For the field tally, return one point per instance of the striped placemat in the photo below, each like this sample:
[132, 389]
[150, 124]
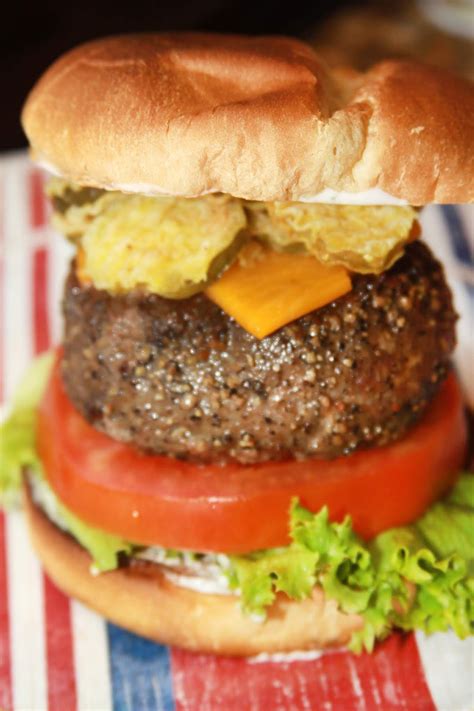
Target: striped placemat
[55, 654]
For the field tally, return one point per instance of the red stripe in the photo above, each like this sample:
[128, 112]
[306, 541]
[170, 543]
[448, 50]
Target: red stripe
[61, 679]
[37, 202]
[205, 682]
[59, 649]
[41, 328]
[395, 675]
[391, 678]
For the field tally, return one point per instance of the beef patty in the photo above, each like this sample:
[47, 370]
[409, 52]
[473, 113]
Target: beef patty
[181, 378]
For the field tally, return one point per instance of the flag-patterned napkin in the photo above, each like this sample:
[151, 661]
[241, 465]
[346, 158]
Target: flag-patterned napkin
[57, 655]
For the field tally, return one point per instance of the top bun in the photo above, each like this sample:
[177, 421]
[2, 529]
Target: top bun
[259, 118]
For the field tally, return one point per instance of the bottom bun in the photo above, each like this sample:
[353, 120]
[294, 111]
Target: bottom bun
[141, 599]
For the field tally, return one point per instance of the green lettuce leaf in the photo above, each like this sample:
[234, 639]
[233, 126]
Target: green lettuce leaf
[17, 433]
[103, 547]
[18, 454]
[413, 577]
[261, 575]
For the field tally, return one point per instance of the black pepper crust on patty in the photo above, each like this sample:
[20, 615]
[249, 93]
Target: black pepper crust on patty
[181, 378]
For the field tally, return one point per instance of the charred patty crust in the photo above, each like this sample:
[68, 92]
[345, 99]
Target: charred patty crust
[182, 378]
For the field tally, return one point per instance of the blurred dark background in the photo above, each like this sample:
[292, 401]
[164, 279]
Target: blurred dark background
[358, 32]
[38, 32]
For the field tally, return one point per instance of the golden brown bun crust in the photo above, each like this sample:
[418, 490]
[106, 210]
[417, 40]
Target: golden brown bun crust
[144, 602]
[260, 118]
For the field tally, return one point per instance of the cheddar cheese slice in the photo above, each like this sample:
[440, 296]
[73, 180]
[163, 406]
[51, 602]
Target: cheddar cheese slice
[265, 294]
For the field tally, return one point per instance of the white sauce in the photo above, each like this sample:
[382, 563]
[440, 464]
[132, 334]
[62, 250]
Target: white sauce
[209, 586]
[205, 574]
[373, 196]
[44, 497]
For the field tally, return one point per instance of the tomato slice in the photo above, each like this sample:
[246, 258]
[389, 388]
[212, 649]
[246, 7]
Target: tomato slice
[158, 500]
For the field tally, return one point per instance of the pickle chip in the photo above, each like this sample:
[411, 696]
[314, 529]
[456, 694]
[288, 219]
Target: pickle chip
[366, 239]
[176, 247]
[75, 206]
[167, 246]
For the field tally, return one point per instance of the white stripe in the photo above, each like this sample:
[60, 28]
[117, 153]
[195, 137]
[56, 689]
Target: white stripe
[25, 587]
[449, 670]
[91, 659]
[25, 580]
[60, 253]
[18, 286]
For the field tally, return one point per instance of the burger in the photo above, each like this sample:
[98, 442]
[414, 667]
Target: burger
[251, 438]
